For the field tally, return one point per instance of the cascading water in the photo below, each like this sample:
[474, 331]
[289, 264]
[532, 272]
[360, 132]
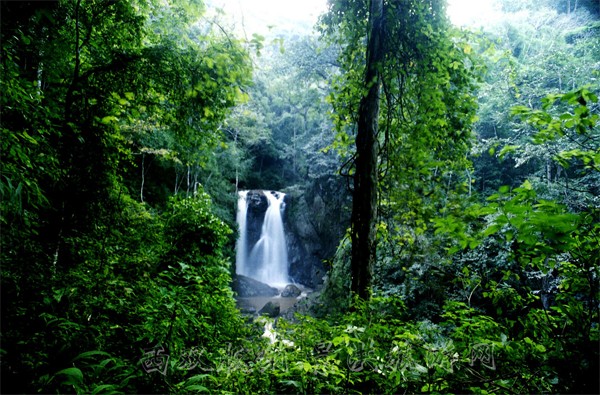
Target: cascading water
[241, 246]
[267, 259]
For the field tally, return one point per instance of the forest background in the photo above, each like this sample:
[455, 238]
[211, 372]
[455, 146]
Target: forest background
[127, 127]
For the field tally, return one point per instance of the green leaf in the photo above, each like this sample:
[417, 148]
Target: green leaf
[108, 119]
[540, 347]
[504, 189]
[88, 354]
[305, 366]
[103, 388]
[73, 376]
[508, 149]
[197, 387]
[293, 383]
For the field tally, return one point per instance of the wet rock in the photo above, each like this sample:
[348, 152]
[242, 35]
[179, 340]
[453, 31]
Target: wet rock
[247, 287]
[257, 207]
[291, 291]
[271, 309]
[311, 305]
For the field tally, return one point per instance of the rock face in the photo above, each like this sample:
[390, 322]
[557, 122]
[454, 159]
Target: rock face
[291, 291]
[257, 207]
[315, 223]
[271, 309]
[247, 287]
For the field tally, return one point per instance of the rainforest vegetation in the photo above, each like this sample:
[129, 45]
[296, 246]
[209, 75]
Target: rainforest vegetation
[459, 167]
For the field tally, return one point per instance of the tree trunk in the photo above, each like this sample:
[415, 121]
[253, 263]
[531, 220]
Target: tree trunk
[364, 199]
[187, 191]
[237, 163]
[143, 178]
[548, 173]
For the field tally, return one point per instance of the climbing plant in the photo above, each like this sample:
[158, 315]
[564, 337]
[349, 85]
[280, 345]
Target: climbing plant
[423, 134]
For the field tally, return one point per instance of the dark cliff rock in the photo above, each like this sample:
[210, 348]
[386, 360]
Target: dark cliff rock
[315, 222]
[257, 207]
[247, 287]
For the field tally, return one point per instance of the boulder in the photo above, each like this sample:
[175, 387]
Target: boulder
[247, 287]
[291, 291]
[271, 309]
[311, 305]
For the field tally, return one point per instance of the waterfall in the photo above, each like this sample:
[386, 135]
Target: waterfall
[270, 252]
[241, 254]
[267, 259]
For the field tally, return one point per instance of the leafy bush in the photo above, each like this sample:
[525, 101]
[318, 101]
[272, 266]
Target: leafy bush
[376, 349]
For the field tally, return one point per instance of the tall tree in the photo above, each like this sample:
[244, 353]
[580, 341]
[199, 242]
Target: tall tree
[364, 199]
[405, 91]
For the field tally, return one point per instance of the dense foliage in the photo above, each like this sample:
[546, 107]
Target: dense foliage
[93, 93]
[128, 126]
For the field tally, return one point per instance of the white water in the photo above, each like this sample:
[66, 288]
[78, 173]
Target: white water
[241, 254]
[267, 260]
